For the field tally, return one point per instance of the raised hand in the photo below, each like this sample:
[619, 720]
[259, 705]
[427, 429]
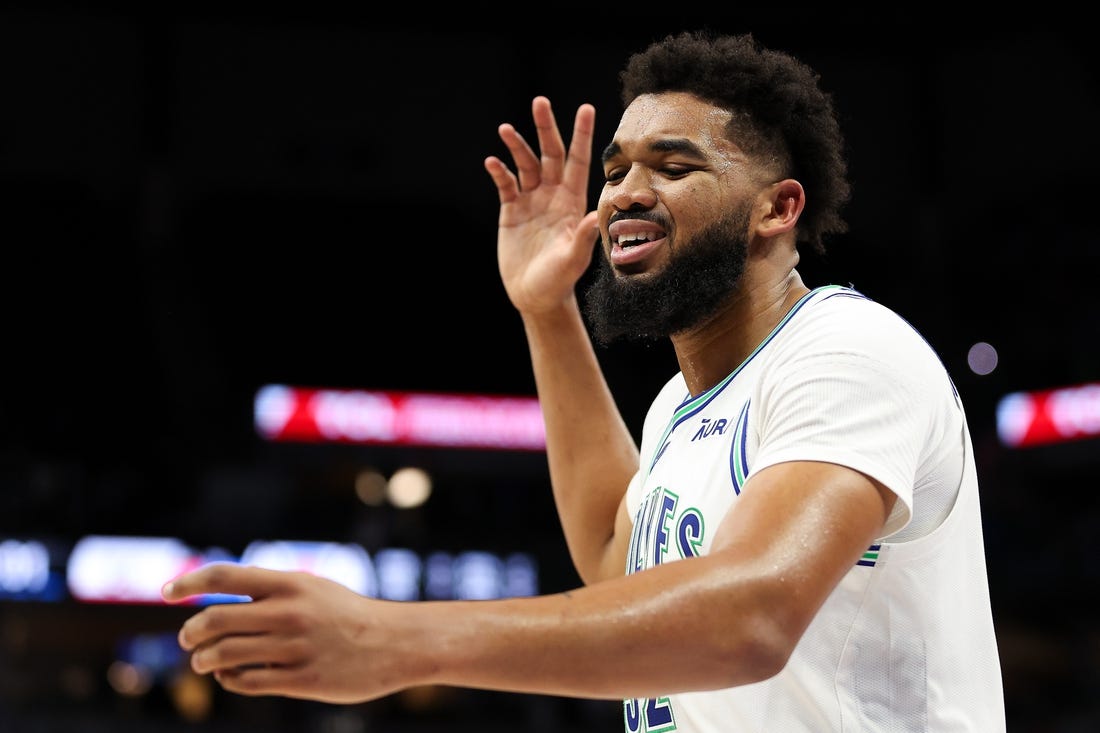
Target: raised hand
[545, 240]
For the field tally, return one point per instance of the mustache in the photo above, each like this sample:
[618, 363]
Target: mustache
[649, 216]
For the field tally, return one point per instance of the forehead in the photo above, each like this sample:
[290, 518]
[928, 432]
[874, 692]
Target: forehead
[680, 115]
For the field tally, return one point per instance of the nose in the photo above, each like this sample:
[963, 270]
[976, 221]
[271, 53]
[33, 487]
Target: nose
[633, 192]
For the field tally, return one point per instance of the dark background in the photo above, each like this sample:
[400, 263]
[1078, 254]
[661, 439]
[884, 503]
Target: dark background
[200, 202]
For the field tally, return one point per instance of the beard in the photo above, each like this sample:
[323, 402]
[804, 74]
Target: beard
[693, 286]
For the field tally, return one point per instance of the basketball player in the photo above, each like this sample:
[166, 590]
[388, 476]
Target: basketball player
[796, 546]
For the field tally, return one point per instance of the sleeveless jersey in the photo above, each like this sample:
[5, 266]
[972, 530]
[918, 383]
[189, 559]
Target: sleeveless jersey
[905, 643]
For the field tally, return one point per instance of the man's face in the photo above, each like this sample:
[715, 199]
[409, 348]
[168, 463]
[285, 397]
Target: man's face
[692, 285]
[674, 217]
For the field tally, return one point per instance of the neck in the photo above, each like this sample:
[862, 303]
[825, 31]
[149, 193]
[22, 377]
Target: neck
[708, 353]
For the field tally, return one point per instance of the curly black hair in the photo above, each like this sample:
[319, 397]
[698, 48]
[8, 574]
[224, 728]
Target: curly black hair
[779, 111]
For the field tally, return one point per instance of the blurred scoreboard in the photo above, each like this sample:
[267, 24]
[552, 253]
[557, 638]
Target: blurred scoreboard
[1049, 416]
[132, 570]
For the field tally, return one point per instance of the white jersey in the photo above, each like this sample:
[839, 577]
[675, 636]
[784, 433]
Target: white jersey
[906, 642]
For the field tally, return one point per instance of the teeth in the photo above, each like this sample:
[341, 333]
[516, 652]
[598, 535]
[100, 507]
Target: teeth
[627, 240]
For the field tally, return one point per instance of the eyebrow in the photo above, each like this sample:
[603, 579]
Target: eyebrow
[669, 145]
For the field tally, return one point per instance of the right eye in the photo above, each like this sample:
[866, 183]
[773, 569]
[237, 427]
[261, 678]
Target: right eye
[676, 171]
[615, 174]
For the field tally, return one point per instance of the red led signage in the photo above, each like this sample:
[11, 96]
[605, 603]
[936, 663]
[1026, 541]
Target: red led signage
[284, 413]
[1049, 416]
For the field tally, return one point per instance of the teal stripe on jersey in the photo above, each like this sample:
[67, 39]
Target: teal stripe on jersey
[739, 464]
[870, 557]
[693, 405]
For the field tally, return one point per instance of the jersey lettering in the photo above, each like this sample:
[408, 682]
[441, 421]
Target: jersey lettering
[689, 532]
[709, 428]
[657, 531]
[648, 716]
[660, 540]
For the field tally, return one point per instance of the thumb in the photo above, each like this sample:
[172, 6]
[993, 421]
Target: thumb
[587, 233]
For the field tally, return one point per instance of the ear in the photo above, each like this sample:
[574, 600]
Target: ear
[782, 204]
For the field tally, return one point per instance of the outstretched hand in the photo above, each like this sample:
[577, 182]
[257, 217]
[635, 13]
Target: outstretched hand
[301, 636]
[304, 636]
[545, 238]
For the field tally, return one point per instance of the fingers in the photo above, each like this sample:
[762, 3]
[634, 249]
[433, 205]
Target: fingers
[224, 578]
[256, 681]
[506, 183]
[217, 622]
[553, 166]
[295, 682]
[244, 652]
[588, 233]
[575, 174]
[556, 166]
[550, 141]
[527, 164]
[249, 681]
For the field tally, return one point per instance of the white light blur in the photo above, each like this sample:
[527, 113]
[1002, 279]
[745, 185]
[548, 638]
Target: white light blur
[273, 406]
[982, 358]
[347, 564]
[409, 487]
[124, 569]
[399, 573]
[478, 576]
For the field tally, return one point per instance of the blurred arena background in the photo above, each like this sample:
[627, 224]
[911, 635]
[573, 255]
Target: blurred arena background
[211, 217]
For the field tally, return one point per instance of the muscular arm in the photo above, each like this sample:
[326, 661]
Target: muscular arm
[591, 453]
[731, 617]
[544, 245]
[727, 618]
